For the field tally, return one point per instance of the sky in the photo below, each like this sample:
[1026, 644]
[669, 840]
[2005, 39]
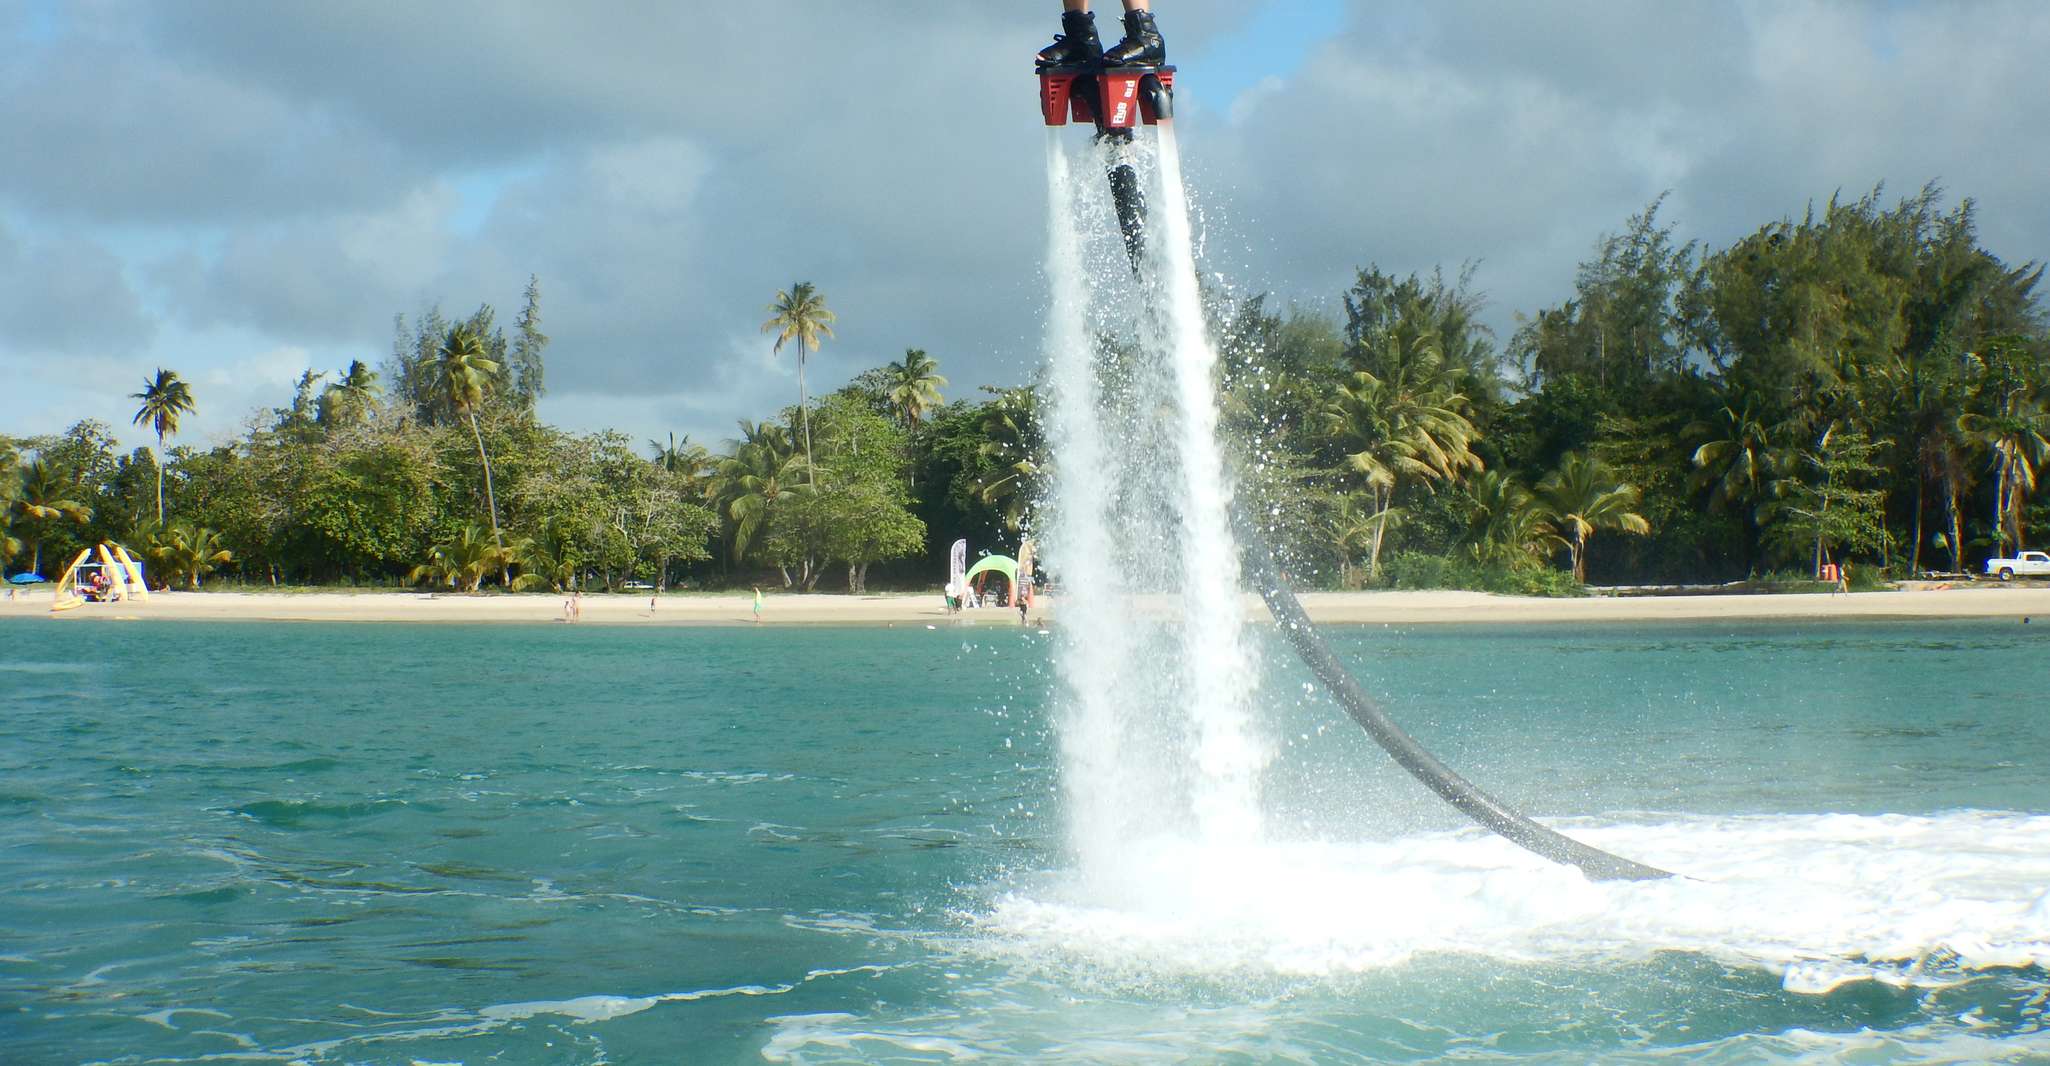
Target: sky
[241, 192]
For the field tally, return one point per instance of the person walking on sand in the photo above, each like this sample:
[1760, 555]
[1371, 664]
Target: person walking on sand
[576, 606]
[758, 604]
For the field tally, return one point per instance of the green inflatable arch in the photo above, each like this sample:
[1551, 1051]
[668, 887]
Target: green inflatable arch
[1001, 564]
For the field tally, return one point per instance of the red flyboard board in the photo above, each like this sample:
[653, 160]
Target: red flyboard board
[1053, 97]
[1120, 96]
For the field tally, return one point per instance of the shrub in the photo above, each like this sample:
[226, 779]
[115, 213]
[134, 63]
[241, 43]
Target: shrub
[1420, 570]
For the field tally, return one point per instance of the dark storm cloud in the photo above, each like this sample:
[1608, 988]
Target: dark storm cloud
[105, 128]
[66, 297]
[1516, 134]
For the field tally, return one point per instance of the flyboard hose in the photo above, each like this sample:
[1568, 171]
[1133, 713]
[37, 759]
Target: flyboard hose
[1302, 635]
[1062, 89]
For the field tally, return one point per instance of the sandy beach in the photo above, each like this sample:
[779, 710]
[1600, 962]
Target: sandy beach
[905, 609]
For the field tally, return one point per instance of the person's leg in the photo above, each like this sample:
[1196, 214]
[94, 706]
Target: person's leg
[1077, 42]
[1142, 43]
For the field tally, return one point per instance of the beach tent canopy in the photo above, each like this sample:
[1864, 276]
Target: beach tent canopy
[1002, 564]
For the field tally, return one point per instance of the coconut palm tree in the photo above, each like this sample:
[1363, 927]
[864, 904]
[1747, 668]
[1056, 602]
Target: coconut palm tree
[1395, 433]
[1506, 525]
[1583, 497]
[683, 456]
[350, 400]
[1013, 448]
[10, 498]
[2018, 440]
[551, 555]
[190, 551]
[462, 560]
[1737, 457]
[799, 314]
[746, 486]
[914, 385]
[48, 492]
[1354, 525]
[464, 375]
[164, 398]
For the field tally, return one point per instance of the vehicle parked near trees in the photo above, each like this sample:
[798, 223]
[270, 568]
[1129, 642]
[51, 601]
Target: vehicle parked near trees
[2023, 564]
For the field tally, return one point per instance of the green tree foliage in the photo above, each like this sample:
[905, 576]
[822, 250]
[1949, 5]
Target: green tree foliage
[1826, 503]
[463, 560]
[862, 505]
[46, 496]
[1400, 420]
[1858, 378]
[1628, 321]
[751, 484]
[351, 400]
[529, 376]
[1012, 461]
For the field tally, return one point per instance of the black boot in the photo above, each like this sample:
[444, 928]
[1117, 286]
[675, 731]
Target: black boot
[1076, 44]
[1142, 44]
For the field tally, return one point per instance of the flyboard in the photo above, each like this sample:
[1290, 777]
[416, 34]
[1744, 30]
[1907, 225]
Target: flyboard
[1118, 100]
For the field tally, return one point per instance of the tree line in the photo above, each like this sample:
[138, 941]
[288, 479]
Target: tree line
[1864, 381]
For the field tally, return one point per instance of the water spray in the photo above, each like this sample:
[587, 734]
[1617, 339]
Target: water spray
[1118, 100]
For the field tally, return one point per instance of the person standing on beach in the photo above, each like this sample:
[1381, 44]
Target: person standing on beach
[576, 606]
[758, 604]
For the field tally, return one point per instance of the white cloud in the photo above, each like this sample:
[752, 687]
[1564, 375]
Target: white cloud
[285, 180]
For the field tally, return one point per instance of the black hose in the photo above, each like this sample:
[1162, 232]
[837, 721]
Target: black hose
[1456, 790]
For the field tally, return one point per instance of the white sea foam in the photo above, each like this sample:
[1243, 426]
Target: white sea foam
[1820, 899]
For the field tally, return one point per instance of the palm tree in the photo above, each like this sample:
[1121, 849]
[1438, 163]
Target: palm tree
[47, 492]
[800, 314]
[10, 499]
[682, 456]
[190, 551]
[164, 399]
[746, 486]
[551, 556]
[1012, 446]
[1409, 427]
[2018, 439]
[1737, 456]
[1506, 525]
[462, 560]
[349, 401]
[914, 385]
[1584, 497]
[1354, 526]
[464, 375]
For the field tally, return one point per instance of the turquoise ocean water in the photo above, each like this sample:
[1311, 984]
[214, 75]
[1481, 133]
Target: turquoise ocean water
[398, 844]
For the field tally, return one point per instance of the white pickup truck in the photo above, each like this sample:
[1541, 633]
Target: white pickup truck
[2024, 564]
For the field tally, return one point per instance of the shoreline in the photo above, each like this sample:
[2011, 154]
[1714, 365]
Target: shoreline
[925, 609]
